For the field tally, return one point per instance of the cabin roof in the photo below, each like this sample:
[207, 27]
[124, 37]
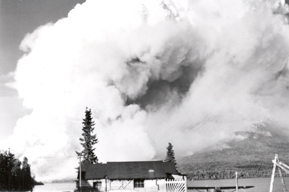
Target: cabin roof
[94, 171]
[130, 170]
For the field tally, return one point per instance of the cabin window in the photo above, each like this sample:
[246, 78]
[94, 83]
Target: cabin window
[97, 185]
[138, 183]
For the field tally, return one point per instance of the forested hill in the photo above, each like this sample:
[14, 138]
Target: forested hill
[251, 157]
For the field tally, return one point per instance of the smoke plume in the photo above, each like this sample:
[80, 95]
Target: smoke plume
[190, 72]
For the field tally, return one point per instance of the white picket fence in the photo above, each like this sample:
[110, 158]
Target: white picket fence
[173, 185]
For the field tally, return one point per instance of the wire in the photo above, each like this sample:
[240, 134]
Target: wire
[56, 157]
[52, 158]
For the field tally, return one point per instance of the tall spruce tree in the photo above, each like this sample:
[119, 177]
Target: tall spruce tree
[88, 139]
[170, 154]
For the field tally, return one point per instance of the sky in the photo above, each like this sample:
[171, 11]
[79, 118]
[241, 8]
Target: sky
[17, 18]
[190, 72]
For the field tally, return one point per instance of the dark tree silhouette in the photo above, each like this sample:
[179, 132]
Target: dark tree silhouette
[12, 176]
[88, 139]
[170, 154]
[26, 174]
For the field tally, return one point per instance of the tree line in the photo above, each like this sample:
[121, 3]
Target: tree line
[14, 174]
[230, 174]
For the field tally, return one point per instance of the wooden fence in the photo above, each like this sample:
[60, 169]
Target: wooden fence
[173, 185]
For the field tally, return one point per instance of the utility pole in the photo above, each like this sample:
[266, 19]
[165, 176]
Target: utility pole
[9, 160]
[80, 172]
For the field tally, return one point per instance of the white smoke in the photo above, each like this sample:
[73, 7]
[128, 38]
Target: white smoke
[187, 72]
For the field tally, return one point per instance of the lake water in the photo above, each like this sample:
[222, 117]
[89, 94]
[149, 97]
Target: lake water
[55, 187]
[260, 185]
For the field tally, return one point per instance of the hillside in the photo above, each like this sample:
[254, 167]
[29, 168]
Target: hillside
[251, 156]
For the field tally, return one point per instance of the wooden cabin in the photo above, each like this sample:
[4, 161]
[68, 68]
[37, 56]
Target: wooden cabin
[145, 176]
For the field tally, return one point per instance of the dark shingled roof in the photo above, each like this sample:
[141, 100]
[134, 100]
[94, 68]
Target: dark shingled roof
[130, 170]
[93, 171]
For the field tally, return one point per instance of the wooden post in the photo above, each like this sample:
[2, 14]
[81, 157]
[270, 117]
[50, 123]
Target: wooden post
[105, 183]
[186, 184]
[282, 180]
[273, 173]
[284, 165]
[109, 185]
[237, 185]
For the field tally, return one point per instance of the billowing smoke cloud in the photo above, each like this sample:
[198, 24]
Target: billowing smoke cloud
[187, 72]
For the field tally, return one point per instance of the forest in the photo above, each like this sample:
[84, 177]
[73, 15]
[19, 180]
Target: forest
[14, 174]
[227, 170]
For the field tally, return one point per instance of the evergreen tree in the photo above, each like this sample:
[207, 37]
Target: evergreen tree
[88, 139]
[12, 177]
[10, 165]
[170, 154]
[26, 174]
[16, 174]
